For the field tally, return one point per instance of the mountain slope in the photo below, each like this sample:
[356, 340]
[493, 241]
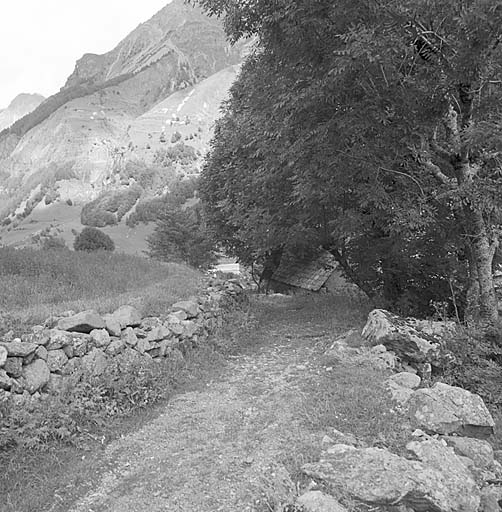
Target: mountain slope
[166, 79]
[21, 105]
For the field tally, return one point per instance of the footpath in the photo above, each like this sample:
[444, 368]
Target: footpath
[236, 444]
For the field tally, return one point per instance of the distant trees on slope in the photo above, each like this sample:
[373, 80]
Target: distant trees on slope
[373, 131]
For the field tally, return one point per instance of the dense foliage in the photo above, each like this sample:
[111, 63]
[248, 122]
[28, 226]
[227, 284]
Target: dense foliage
[110, 207]
[93, 239]
[182, 236]
[371, 129]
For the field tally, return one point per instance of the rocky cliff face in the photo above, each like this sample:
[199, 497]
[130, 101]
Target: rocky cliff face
[169, 75]
[21, 105]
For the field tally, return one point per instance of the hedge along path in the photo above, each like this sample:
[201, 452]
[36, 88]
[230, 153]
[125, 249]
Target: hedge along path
[223, 448]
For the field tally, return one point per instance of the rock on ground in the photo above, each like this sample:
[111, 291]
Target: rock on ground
[317, 501]
[479, 451]
[19, 349]
[127, 316]
[85, 322]
[36, 375]
[377, 477]
[189, 307]
[445, 409]
[3, 356]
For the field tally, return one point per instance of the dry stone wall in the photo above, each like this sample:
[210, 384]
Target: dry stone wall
[76, 344]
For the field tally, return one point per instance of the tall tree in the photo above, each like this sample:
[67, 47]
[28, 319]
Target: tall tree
[360, 121]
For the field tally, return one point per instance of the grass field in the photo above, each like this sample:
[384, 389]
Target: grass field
[37, 283]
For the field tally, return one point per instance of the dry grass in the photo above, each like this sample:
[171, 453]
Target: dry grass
[37, 284]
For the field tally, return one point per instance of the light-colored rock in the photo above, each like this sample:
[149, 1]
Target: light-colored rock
[112, 325]
[127, 316]
[150, 323]
[436, 454]
[317, 501]
[189, 307]
[3, 356]
[143, 346]
[479, 451]
[115, 347]
[55, 384]
[406, 380]
[342, 438]
[189, 328]
[401, 336]
[56, 359]
[100, 338]
[158, 333]
[177, 315]
[176, 328]
[85, 322]
[81, 344]
[36, 375]
[19, 349]
[58, 339]
[41, 353]
[95, 362]
[378, 477]
[129, 337]
[14, 367]
[383, 358]
[445, 409]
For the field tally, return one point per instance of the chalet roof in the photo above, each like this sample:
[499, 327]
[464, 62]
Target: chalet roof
[309, 273]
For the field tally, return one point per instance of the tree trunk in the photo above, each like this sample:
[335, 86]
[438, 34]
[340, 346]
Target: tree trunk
[483, 251]
[472, 297]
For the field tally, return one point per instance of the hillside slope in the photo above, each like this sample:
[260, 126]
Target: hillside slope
[169, 75]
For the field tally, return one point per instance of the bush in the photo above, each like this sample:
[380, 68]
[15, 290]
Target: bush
[109, 207]
[176, 137]
[476, 364]
[53, 243]
[181, 236]
[92, 239]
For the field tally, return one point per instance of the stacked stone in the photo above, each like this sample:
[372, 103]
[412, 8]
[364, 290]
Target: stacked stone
[65, 348]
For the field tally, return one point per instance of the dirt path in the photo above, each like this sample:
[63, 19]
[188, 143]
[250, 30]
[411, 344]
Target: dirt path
[223, 448]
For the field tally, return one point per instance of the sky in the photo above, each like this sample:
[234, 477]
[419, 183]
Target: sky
[40, 40]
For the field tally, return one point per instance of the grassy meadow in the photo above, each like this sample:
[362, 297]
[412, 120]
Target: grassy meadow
[40, 283]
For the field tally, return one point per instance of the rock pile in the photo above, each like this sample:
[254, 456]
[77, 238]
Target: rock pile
[448, 466]
[84, 343]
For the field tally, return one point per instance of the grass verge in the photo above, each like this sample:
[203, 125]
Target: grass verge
[37, 284]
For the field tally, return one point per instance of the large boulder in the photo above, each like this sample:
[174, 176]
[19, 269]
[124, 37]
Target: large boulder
[19, 349]
[445, 409]
[58, 339]
[377, 477]
[36, 375]
[402, 336]
[85, 322]
[127, 316]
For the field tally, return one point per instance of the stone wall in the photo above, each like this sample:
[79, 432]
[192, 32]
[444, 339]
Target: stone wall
[73, 345]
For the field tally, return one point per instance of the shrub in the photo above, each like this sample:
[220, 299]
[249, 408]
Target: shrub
[181, 153]
[176, 137]
[181, 235]
[92, 239]
[109, 207]
[476, 364]
[53, 243]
